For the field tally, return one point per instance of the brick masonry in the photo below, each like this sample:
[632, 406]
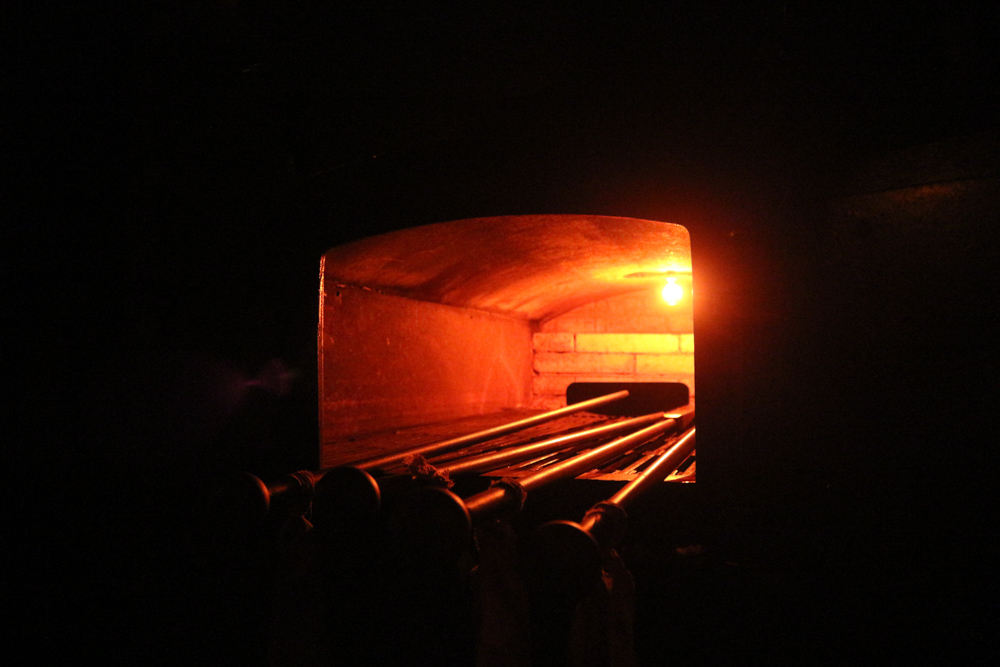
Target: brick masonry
[634, 337]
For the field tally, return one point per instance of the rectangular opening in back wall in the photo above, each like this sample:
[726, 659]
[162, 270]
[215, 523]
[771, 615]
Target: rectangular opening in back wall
[644, 397]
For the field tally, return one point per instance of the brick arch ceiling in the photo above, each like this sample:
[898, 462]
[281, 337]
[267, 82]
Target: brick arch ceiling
[534, 267]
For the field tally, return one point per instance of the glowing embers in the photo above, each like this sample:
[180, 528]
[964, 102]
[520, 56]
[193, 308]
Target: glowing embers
[672, 293]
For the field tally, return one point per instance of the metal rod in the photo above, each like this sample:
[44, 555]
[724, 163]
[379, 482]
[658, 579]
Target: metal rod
[567, 557]
[588, 460]
[505, 497]
[605, 522]
[486, 434]
[498, 459]
[656, 473]
[302, 484]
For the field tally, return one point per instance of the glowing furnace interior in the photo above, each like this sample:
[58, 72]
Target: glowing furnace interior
[490, 316]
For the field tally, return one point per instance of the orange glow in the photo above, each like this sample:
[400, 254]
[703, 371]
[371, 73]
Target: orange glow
[672, 292]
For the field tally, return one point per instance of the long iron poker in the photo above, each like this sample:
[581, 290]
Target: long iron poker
[432, 516]
[348, 479]
[355, 478]
[496, 459]
[509, 495]
[570, 554]
[479, 436]
[354, 492]
[598, 522]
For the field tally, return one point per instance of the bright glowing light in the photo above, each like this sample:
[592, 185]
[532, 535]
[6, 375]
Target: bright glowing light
[672, 292]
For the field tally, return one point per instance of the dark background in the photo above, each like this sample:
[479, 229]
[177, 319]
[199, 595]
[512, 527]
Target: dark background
[172, 174]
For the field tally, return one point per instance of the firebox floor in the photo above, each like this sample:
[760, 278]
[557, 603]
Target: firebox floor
[357, 448]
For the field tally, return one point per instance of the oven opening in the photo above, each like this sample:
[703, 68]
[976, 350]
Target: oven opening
[433, 332]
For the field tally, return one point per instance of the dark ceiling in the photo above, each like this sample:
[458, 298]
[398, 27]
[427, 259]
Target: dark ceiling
[347, 118]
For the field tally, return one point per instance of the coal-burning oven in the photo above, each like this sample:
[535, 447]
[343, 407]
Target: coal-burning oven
[431, 332]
